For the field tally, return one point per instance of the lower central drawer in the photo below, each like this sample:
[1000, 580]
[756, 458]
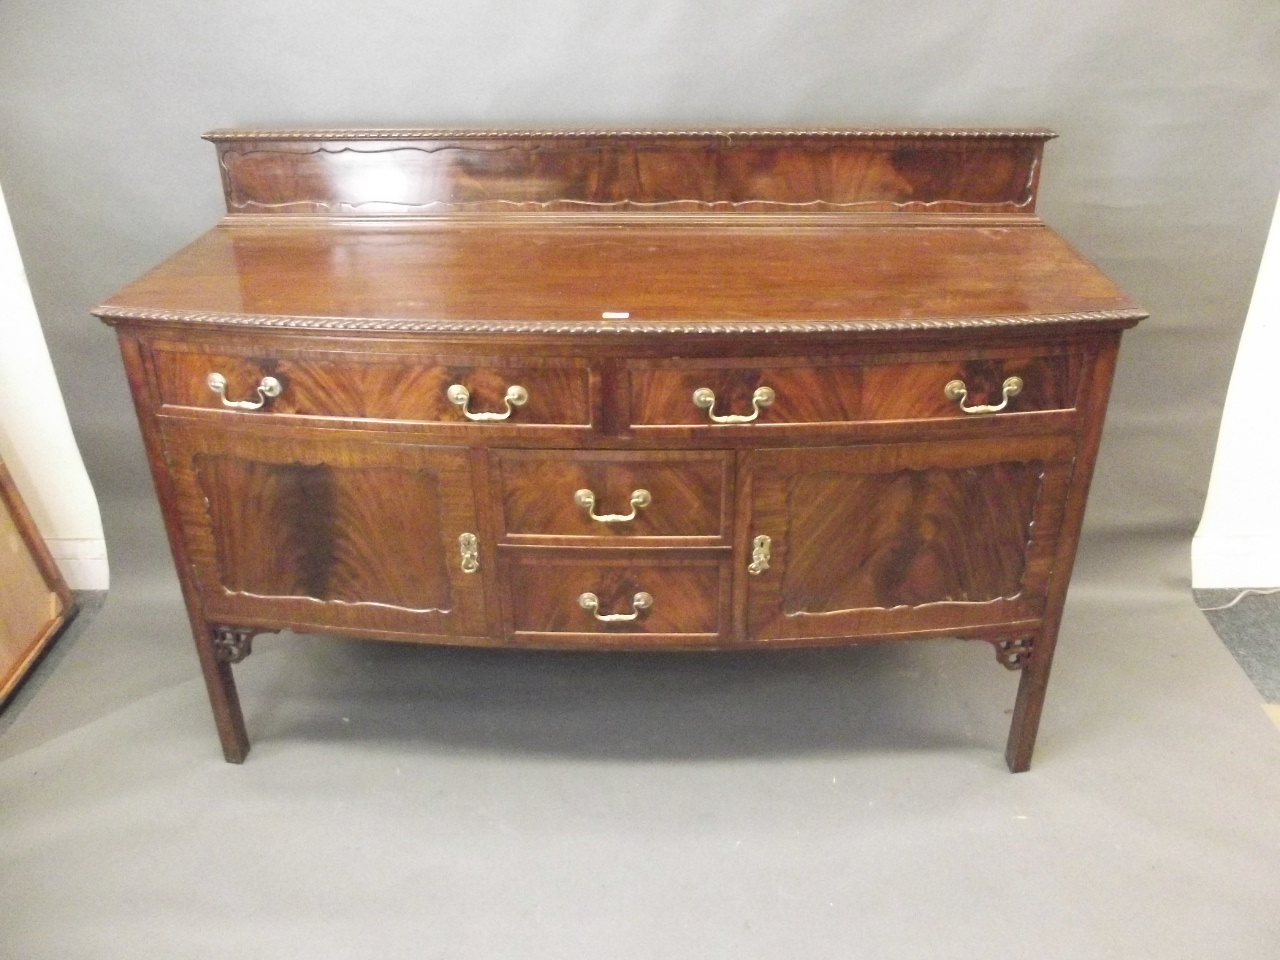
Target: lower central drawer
[554, 595]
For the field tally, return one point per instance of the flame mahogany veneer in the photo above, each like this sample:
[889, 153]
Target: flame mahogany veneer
[715, 375]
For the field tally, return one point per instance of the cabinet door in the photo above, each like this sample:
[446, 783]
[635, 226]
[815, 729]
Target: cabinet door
[334, 534]
[882, 539]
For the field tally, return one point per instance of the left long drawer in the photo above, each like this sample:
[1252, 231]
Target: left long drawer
[273, 382]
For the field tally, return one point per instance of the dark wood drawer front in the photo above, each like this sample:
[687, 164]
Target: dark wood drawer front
[663, 396]
[379, 388]
[774, 393]
[561, 493]
[551, 593]
[915, 391]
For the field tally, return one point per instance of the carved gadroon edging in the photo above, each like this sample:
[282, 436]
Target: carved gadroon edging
[1013, 654]
[233, 644]
[427, 133]
[110, 312]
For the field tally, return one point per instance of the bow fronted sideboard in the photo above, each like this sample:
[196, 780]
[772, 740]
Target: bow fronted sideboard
[648, 390]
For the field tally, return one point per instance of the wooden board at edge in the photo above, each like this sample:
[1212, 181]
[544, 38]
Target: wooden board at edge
[34, 600]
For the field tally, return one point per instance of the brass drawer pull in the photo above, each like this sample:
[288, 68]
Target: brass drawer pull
[704, 398]
[587, 501]
[956, 390]
[459, 396]
[267, 387]
[469, 547]
[639, 603]
[760, 548]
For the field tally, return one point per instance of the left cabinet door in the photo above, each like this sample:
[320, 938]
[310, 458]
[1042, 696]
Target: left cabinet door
[328, 532]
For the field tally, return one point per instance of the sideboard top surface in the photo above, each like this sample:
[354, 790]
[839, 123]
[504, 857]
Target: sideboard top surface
[643, 232]
[454, 276]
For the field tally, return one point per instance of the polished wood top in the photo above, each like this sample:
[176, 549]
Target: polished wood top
[640, 232]
[567, 274]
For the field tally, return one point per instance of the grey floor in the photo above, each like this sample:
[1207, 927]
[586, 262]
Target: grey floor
[1250, 627]
[421, 802]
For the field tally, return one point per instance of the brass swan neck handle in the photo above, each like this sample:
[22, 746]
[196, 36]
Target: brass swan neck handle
[586, 499]
[639, 603]
[956, 390]
[704, 398]
[460, 396]
[267, 387]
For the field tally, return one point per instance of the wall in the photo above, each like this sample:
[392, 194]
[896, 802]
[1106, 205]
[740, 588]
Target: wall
[1238, 543]
[35, 435]
[1165, 172]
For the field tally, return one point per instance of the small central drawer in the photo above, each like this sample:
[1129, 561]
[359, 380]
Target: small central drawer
[754, 395]
[490, 392]
[614, 495]
[616, 593]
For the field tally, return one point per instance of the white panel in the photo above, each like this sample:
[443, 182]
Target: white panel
[83, 563]
[1238, 543]
[36, 442]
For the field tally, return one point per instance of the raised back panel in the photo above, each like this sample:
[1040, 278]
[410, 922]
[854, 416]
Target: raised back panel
[438, 172]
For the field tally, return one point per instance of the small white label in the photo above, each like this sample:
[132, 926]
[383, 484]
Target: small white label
[614, 315]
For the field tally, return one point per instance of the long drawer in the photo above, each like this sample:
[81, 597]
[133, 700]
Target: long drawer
[781, 392]
[495, 392]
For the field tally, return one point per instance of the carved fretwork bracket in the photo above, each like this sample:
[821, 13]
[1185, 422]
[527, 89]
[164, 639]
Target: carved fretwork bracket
[233, 644]
[1013, 654]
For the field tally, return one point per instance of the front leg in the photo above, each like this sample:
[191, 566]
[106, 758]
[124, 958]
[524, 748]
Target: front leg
[219, 647]
[1030, 655]
[1033, 656]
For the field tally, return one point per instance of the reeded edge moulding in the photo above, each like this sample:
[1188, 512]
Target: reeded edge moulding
[112, 312]
[427, 133]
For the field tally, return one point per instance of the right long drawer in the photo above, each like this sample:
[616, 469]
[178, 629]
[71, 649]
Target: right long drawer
[794, 391]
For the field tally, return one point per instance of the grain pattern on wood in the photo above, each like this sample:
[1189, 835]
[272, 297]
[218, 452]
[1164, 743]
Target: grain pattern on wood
[663, 396]
[1034, 681]
[545, 587]
[916, 391]
[907, 538]
[331, 533]
[320, 531]
[685, 275]
[728, 172]
[384, 388]
[224, 700]
[845, 390]
[897, 536]
[689, 494]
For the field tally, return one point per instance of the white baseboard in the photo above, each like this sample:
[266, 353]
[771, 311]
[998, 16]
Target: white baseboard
[83, 563]
[1220, 562]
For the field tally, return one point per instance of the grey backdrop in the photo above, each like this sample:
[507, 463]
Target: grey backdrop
[1165, 174]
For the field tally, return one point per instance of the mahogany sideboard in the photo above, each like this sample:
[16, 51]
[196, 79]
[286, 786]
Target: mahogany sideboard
[625, 390]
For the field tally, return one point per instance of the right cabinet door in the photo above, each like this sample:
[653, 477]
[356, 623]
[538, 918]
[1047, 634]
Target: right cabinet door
[896, 538]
